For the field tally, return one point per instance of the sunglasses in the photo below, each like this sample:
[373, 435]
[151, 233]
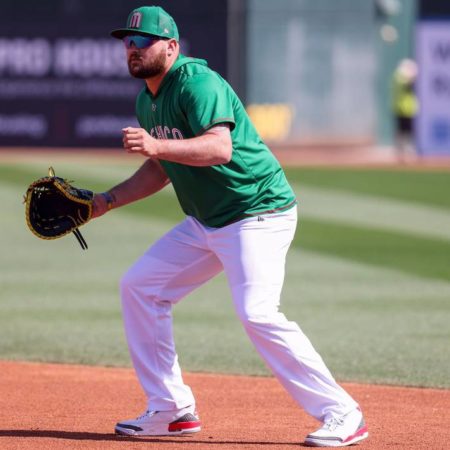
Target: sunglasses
[140, 41]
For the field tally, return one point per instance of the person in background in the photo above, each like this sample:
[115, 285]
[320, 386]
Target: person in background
[405, 107]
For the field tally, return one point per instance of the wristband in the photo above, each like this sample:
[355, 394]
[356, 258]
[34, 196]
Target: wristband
[109, 199]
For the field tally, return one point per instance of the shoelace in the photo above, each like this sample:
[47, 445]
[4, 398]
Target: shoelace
[333, 423]
[146, 414]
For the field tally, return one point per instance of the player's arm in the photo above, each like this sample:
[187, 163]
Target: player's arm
[147, 180]
[213, 147]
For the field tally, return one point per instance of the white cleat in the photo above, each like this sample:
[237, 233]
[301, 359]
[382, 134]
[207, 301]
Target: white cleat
[161, 423]
[340, 432]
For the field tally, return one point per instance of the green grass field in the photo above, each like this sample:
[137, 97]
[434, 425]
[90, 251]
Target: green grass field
[368, 277]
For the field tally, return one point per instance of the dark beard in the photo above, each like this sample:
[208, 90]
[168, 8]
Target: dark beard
[147, 70]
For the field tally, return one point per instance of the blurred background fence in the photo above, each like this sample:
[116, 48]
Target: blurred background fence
[310, 72]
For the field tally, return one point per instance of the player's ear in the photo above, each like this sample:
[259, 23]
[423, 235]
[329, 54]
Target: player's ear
[172, 47]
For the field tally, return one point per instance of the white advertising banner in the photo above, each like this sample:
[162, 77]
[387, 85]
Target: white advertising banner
[433, 87]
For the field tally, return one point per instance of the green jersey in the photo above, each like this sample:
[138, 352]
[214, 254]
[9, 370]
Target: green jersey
[191, 99]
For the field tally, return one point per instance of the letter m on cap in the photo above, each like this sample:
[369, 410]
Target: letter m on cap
[135, 20]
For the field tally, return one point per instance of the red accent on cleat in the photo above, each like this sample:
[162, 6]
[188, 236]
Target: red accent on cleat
[183, 426]
[360, 432]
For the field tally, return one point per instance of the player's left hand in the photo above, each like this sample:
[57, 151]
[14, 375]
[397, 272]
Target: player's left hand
[137, 140]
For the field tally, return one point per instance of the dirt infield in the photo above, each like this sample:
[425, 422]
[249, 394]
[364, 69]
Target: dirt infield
[49, 406]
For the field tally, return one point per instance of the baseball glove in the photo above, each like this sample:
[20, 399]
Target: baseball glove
[55, 208]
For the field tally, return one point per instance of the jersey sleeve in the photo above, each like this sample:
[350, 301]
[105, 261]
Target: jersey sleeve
[206, 101]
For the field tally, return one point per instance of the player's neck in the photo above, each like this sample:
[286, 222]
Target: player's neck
[154, 83]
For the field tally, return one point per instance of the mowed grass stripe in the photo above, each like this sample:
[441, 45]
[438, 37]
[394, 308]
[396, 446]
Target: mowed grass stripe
[419, 256]
[430, 188]
[373, 212]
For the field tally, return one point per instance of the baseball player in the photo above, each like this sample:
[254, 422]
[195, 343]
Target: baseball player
[241, 217]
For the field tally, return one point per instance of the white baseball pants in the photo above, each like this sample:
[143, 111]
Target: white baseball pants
[252, 252]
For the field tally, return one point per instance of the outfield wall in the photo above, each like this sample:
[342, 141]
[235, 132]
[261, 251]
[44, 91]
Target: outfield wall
[307, 70]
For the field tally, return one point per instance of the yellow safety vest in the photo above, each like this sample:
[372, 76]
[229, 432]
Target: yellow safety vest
[405, 103]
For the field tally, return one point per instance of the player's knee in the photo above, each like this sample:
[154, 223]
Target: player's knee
[129, 282]
[257, 318]
[139, 285]
[249, 317]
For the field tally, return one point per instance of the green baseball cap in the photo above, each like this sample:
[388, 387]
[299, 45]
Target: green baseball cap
[149, 20]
